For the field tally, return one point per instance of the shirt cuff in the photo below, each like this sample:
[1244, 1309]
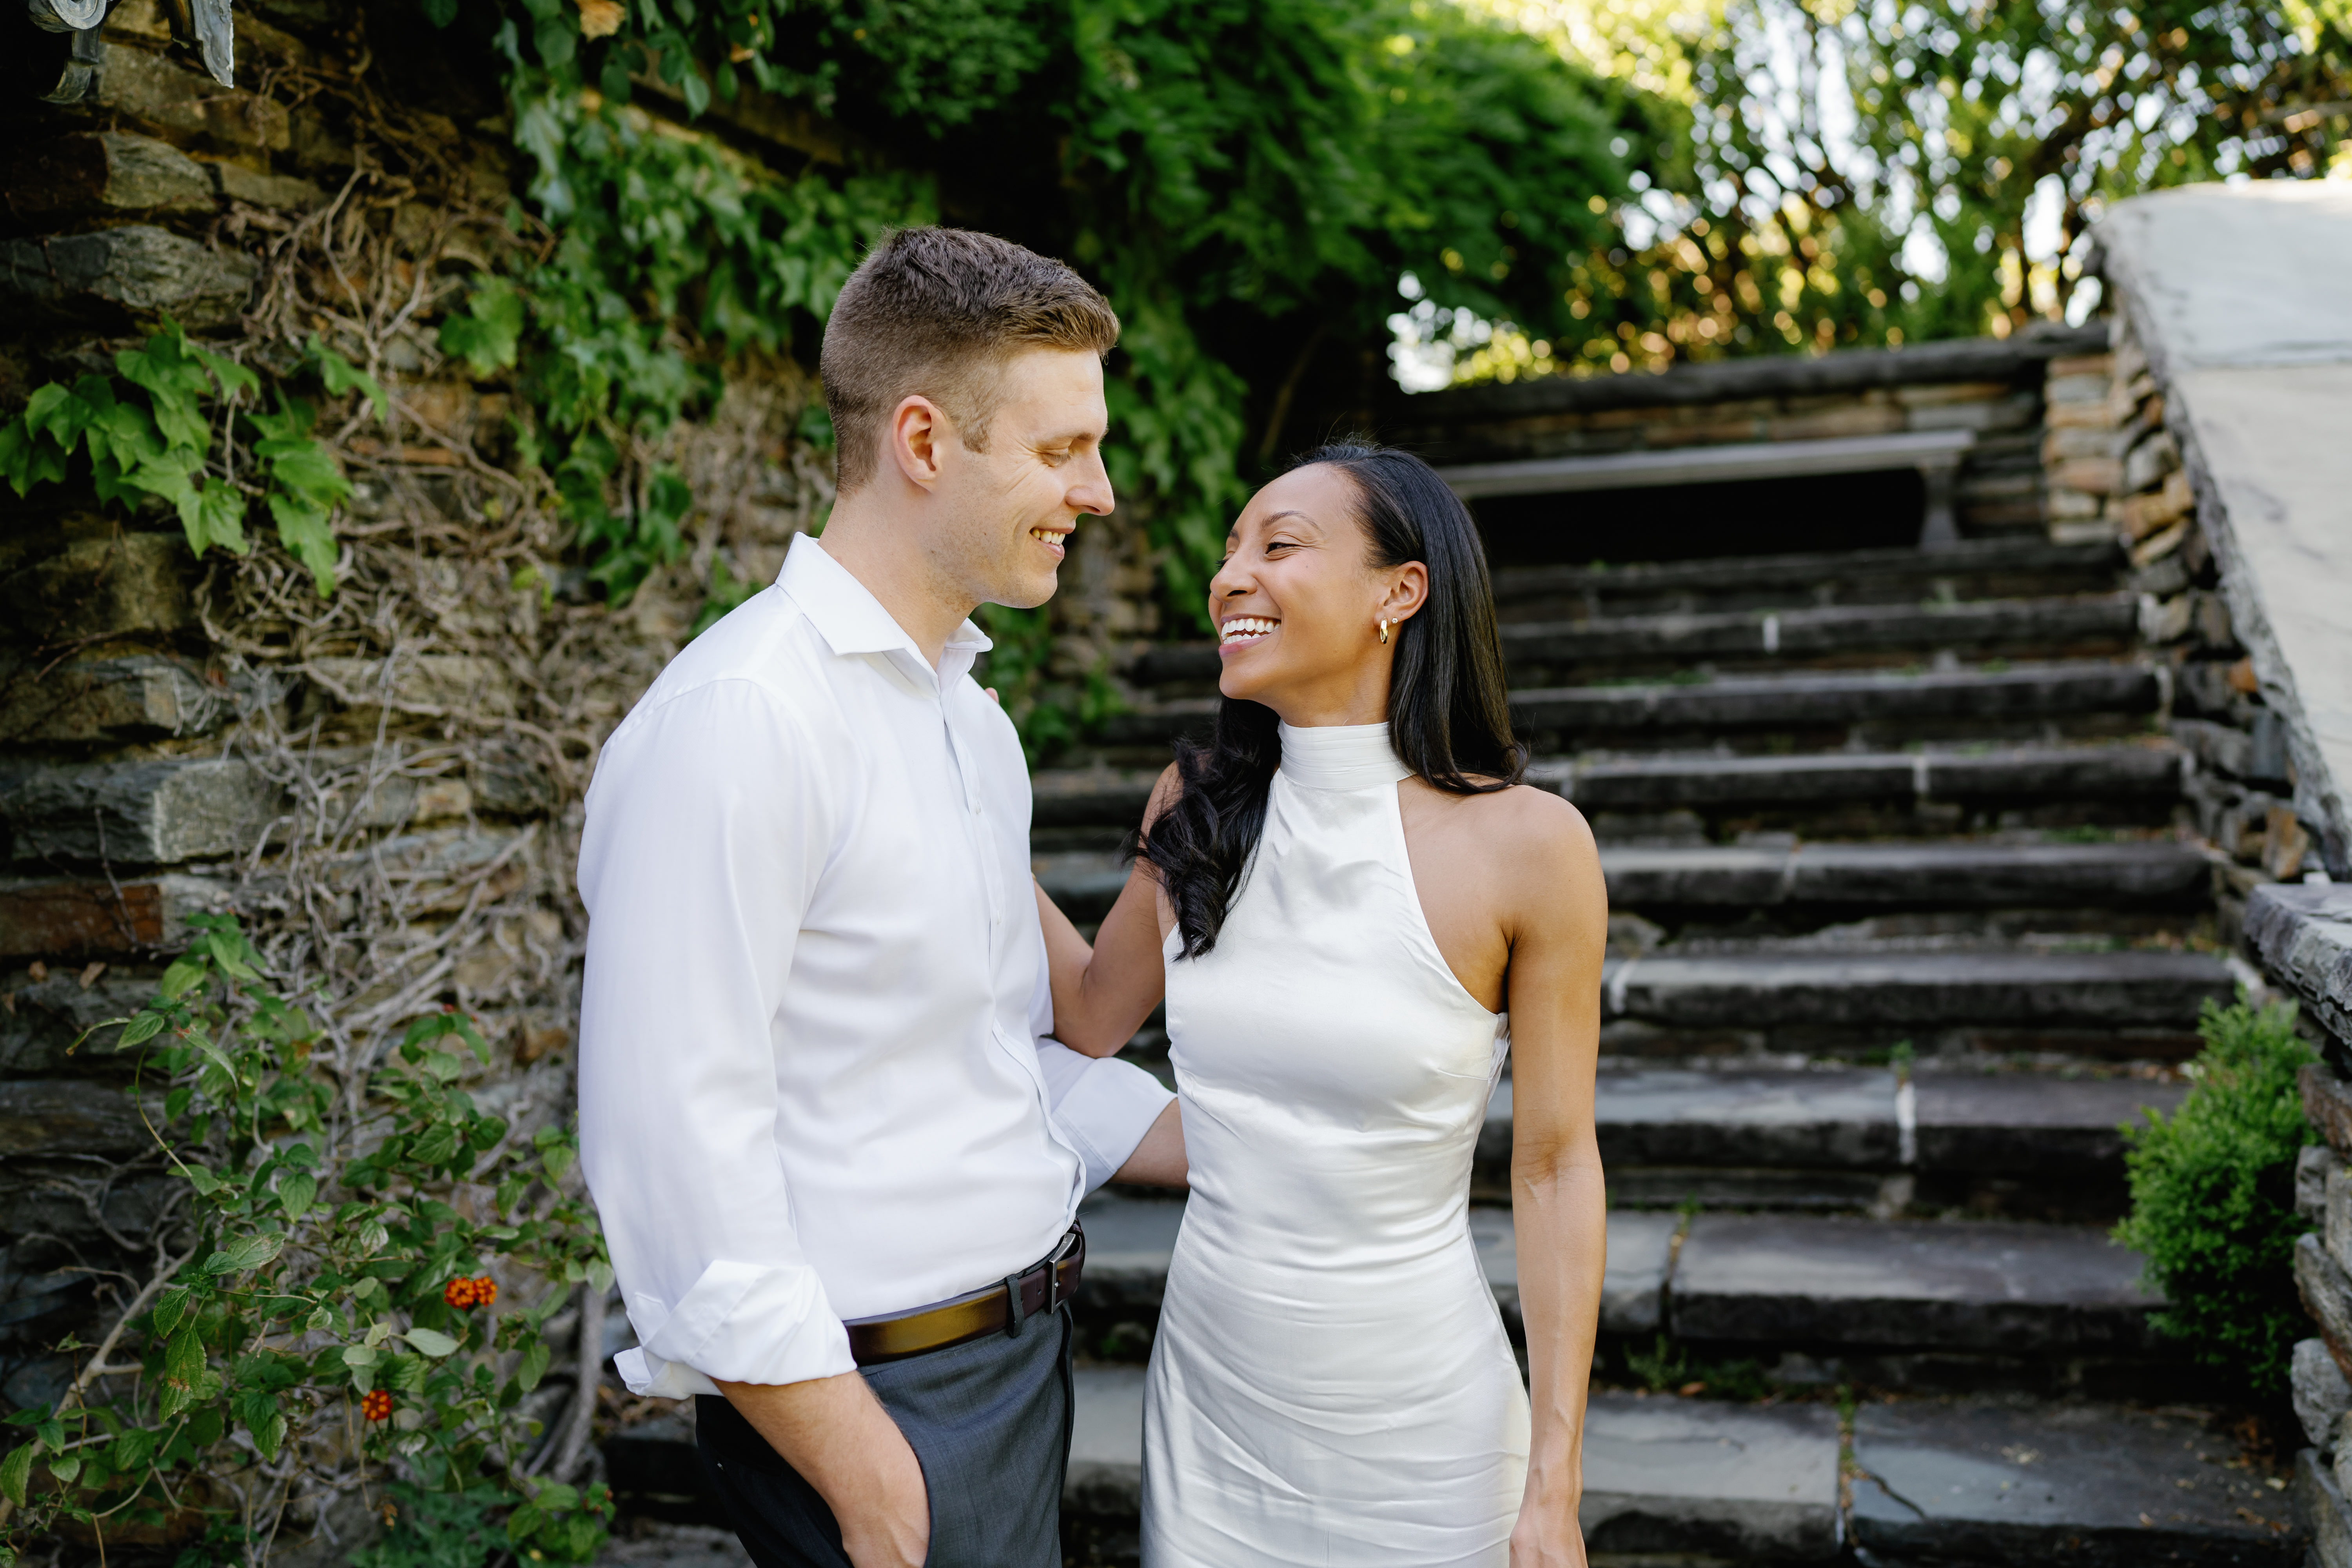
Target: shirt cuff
[1102, 1106]
[741, 1322]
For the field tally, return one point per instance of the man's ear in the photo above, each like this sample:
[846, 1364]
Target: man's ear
[913, 438]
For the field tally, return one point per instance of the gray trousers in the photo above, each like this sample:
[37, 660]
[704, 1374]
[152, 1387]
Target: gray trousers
[990, 1422]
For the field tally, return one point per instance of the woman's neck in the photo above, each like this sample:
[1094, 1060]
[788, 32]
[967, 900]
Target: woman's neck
[1359, 696]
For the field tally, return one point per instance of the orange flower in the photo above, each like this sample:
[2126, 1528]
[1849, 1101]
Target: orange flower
[376, 1404]
[486, 1290]
[460, 1293]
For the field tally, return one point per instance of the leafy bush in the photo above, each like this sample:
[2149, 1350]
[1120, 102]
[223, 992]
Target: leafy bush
[2212, 1192]
[324, 1305]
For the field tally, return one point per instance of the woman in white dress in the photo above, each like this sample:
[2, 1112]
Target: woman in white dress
[1344, 895]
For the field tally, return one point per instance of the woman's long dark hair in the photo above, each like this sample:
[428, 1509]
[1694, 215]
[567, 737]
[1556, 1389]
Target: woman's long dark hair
[1449, 716]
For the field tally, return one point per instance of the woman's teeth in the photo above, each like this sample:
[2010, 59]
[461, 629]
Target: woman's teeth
[1244, 628]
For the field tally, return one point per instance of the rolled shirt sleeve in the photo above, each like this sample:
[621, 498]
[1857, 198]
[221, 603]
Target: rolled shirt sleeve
[708, 825]
[1102, 1106]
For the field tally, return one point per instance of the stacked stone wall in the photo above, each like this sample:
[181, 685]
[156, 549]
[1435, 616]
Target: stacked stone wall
[382, 783]
[2114, 469]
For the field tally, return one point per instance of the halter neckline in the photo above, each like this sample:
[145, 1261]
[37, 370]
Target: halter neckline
[1341, 757]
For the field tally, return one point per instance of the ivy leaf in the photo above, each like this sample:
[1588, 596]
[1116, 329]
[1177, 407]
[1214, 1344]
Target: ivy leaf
[233, 377]
[340, 375]
[486, 336]
[431, 1342]
[15, 1470]
[174, 380]
[27, 457]
[245, 1252]
[214, 515]
[302, 530]
[121, 437]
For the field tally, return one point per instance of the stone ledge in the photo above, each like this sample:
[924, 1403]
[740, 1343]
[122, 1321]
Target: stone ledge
[138, 270]
[52, 919]
[146, 814]
[2302, 933]
[1788, 375]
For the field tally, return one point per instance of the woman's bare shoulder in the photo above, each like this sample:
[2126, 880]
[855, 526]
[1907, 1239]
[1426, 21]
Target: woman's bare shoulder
[1523, 819]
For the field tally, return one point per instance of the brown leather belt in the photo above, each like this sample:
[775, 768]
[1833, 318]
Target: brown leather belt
[999, 1309]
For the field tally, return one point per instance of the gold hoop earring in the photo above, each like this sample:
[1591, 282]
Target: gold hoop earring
[1384, 634]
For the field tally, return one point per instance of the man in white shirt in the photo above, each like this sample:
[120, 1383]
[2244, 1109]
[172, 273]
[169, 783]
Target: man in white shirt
[838, 1160]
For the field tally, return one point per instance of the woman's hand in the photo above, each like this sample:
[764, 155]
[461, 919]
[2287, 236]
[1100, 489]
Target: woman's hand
[1546, 1537]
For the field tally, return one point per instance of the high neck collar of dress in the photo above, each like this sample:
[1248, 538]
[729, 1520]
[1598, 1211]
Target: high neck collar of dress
[1341, 757]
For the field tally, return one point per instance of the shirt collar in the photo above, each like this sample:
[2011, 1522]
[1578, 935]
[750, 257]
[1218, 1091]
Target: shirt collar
[852, 620]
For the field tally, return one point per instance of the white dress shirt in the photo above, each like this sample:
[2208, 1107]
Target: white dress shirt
[813, 1080]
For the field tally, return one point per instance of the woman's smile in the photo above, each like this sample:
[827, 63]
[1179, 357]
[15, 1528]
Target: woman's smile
[1236, 632]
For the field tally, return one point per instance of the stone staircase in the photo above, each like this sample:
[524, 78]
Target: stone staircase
[1903, 927]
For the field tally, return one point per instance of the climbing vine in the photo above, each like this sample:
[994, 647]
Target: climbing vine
[176, 422]
[330, 1296]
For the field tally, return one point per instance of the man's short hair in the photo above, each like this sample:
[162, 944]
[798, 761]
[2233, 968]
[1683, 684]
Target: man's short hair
[938, 312]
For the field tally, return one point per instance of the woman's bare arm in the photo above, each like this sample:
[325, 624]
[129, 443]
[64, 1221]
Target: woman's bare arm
[1102, 993]
[1560, 914]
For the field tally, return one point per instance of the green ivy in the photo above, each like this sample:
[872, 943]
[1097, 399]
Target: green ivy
[327, 1300]
[171, 425]
[2212, 1190]
[672, 252]
[1245, 179]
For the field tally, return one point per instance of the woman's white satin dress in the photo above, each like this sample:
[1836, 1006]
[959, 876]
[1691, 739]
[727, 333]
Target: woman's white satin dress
[1331, 1383]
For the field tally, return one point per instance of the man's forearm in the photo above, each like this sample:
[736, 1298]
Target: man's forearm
[836, 1434]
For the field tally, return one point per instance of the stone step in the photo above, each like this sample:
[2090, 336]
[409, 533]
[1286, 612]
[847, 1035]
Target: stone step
[1973, 1482]
[1969, 1482]
[1895, 989]
[1827, 1138]
[2105, 622]
[1837, 877]
[1815, 1290]
[1838, 701]
[1827, 705]
[1824, 1290]
[1713, 783]
[1665, 1478]
[1975, 569]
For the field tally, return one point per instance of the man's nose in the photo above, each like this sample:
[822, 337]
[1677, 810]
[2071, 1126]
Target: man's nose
[1091, 492]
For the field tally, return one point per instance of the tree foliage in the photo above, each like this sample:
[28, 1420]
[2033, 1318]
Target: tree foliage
[1885, 170]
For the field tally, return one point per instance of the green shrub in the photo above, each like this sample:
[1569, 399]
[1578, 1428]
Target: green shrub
[2212, 1192]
